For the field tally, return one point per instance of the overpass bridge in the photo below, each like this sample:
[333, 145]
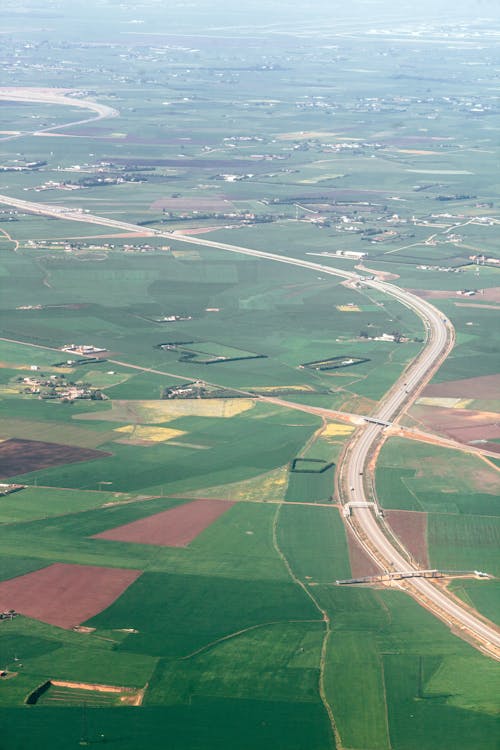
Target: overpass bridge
[398, 575]
[347, 507]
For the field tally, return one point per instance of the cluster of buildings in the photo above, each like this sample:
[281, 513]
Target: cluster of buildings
[483, 260]
[85, 349]
[347, 254]
[446, 269]
[7, 489]
[57, 387]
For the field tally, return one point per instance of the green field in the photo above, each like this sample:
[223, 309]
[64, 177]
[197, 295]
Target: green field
[464, 542]
[313, 540]
[418, 476]
[41, 502]
[414, 667]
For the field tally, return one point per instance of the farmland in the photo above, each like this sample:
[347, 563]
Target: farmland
[173, 550]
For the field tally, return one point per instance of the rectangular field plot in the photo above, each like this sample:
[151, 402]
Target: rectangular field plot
[268, 725]
[176, 615]
[423, 477]
[41, 502]
[314, 543]
[310, 480]
[207, 352]
[464, 542]
[63, 693]
[23, 456]
[273, 662]
[176, 527]
[64, 595]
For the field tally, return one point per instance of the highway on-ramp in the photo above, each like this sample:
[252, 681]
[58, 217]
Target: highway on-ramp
[439, 341]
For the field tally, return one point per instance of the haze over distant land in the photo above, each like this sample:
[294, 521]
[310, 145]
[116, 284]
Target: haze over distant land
[278, 15]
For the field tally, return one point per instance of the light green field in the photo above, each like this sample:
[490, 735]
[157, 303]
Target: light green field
[413, 476]
[464, 542]
[41, 502]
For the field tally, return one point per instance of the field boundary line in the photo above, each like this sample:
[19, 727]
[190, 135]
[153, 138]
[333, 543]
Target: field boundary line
[237, 633]
[326, 637]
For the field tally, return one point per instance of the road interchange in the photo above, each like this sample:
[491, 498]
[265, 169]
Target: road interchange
[439, 342]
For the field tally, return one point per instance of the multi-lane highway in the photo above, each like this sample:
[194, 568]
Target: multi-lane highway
[439, 340]
[53, 96]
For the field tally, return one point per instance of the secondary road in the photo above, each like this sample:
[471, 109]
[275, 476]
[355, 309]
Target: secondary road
[439, 341]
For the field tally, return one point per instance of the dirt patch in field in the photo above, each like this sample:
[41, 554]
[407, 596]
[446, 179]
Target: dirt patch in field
[197, 230]
[434, 293]
[483, 386]
[218, 204]
[358, 405]
[463, 425]
[176, 527]
[23, 456]
[411, 529]
[487, 295]
[478, 305]
[490, 295]
[383, 275]
[361, 563]
[65, 595]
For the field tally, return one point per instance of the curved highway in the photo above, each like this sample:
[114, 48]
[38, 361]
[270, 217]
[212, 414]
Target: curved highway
[439, 340]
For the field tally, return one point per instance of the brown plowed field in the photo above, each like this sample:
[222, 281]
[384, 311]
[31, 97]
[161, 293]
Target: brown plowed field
[491, 447]
[65, 595]
[463, 425]
[175, 527]
[484, 387]
[488, 295]
[410, 527]
[361, 563]
[23, 456]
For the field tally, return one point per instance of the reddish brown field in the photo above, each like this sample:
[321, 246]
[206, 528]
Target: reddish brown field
[411, 528]
[484, 387]
[488, 295]
[65, 595]
[491, 447]
[23, 456]
[462, 425]
[361, 563]
[434, 294]
[175, 527]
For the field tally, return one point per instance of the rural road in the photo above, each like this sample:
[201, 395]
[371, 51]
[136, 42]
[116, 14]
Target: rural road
[439, 341]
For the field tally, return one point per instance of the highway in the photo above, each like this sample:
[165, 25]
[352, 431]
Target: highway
[53, 96]
[439, 341]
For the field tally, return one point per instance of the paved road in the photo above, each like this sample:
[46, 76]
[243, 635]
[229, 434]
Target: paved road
[440, 336]
[51, 96]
